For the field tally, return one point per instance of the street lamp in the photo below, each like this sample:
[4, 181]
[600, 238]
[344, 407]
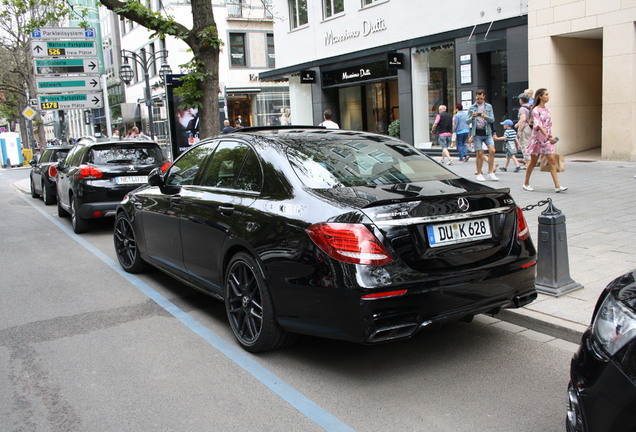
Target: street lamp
[145, 61]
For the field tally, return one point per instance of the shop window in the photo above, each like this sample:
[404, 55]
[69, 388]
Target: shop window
[271, 54]
[332, 7]
[237, 49]
[298, 13]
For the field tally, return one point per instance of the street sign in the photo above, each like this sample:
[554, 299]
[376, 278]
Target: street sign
[29, 113]
[85, 48]
[63, 33]
[64, 66]
[63, 84]
[33, 102]
[71, 101]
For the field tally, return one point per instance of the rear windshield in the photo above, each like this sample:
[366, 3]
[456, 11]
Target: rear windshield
[345, 161]
[142, 154]
[59, 155]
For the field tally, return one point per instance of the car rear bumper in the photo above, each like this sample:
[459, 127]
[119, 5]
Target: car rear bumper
[97, 209]
[600, 395]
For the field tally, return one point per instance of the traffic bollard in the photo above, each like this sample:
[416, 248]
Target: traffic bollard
[553, 266]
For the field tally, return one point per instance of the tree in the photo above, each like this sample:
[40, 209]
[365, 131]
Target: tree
[17, 19]
[200, 87]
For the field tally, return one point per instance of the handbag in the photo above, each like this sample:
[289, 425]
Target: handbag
[560, 166]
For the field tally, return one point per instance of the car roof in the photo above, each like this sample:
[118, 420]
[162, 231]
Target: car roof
[114, 140]
[58, 147]
[292, 134]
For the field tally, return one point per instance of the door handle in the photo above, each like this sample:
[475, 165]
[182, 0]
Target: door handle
[226, 210]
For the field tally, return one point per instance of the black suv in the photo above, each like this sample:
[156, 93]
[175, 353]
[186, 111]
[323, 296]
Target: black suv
[99, 172]
[43, 171]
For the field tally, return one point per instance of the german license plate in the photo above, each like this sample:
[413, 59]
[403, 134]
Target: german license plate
[131, 179]
[458, 232]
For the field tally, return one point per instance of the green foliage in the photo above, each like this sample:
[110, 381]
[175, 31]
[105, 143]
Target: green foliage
[394, 128]
[160, 24]
[209, 37]
[190, 90]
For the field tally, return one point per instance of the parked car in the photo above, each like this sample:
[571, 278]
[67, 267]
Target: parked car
[602, 389]
[99, 172]
[43, 172]
[341, 234]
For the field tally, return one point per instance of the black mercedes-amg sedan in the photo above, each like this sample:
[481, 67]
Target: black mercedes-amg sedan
[602, 389]
[341, 234]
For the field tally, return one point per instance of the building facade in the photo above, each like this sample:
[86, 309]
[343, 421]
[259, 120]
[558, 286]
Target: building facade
[584, 52]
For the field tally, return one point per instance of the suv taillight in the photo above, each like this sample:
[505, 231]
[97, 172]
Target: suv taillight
[352, 243]
[89, 172]
[52, 171]
[523, 232]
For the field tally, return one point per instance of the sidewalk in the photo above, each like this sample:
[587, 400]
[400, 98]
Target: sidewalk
[600, 207]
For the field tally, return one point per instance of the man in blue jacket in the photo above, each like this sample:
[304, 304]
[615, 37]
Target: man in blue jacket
[480, 119]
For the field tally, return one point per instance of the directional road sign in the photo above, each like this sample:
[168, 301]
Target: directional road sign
[71, 101]
[63, 84]
[64, 66]
[80, 48]
[63, 33]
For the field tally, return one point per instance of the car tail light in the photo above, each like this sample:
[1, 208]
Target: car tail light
[52, 171]
[165, 166]
[89, 172]
[523, 232]
[384, 294]
[352, 243]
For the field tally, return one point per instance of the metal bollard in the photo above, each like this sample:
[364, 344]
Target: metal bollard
[553, 266]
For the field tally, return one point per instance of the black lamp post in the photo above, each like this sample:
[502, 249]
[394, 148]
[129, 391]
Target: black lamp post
[145, 62]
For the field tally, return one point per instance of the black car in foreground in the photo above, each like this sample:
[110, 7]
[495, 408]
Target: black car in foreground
[602, 389]
[341, 234]
[99, 172]
[43, 172]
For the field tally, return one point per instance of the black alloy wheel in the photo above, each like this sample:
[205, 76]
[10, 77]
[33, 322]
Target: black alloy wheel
[249, 307]
[126, 245]
[80, 225]
[46, 195]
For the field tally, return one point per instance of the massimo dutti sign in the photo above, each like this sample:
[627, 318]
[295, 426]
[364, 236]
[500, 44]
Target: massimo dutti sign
[368, 72]
[365, 29]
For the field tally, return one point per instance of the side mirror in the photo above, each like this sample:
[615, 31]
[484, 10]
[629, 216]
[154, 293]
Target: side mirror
[32, 162]
[155, 178]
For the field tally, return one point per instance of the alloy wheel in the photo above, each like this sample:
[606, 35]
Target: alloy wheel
[244, 303]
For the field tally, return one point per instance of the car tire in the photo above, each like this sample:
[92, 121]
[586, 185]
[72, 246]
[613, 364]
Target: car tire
[126, 245]
[46, 195]
[33, 193]
[79, 225]
[249, 307]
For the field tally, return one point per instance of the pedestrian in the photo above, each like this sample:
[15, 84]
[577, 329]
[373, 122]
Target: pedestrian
[480, 119]
[529, 93]
[134, 132]
[443, 127]
[226, 127]
[238, 123]
[511, 145]
[461, 129]
[542, 143]
[116, 133]
[327, 122]
[523, 126]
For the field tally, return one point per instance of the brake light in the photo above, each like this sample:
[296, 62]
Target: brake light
[384, 294]
[89, 172]
[352, 243]
[52, 171]
[165, 166]
[523, 232]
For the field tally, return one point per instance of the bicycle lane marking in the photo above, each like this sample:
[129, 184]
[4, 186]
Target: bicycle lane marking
[295, 398]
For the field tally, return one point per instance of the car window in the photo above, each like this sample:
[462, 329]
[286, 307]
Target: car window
[75, 155]
[59, 155]
[251, 176]
[46, 155]
[184, 170]
[343, 161]
[125, 155]
[223, 170]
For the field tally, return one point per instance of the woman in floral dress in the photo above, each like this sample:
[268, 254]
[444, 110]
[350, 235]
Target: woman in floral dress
[542, 143]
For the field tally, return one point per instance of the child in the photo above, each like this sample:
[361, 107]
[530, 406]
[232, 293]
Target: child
[510, 136]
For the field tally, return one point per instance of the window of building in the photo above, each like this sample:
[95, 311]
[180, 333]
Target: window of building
[332, 7]
[151, 54]
[298, 13]
[271, 55]
[366, 3]
[237, 49]
[235, 8]
[268, 5]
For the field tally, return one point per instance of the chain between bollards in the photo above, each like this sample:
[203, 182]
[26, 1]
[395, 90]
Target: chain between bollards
[539, 204]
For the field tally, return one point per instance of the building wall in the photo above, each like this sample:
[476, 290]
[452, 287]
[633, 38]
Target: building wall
[584, 53]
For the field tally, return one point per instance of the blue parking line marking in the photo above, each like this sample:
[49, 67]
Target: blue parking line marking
[295, 398]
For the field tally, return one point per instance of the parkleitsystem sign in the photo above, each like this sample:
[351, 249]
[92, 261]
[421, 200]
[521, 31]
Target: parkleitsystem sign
[68, 84]
[71, 101]
[86, 48]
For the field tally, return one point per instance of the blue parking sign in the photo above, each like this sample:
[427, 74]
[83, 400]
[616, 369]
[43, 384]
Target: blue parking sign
[36, 33]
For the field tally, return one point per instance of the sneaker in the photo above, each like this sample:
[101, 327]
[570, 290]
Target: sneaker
[517, 169]
[492, 177]
[468, 157]
[561, 189]
[480, 177]
[503, 169]
[528, 188]
[449, 162]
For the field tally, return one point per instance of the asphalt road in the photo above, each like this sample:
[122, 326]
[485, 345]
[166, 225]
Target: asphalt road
[86, 347]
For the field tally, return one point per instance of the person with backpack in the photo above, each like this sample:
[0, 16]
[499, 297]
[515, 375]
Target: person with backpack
[523, 126]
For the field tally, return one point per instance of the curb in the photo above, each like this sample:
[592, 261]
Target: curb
[543, 323]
